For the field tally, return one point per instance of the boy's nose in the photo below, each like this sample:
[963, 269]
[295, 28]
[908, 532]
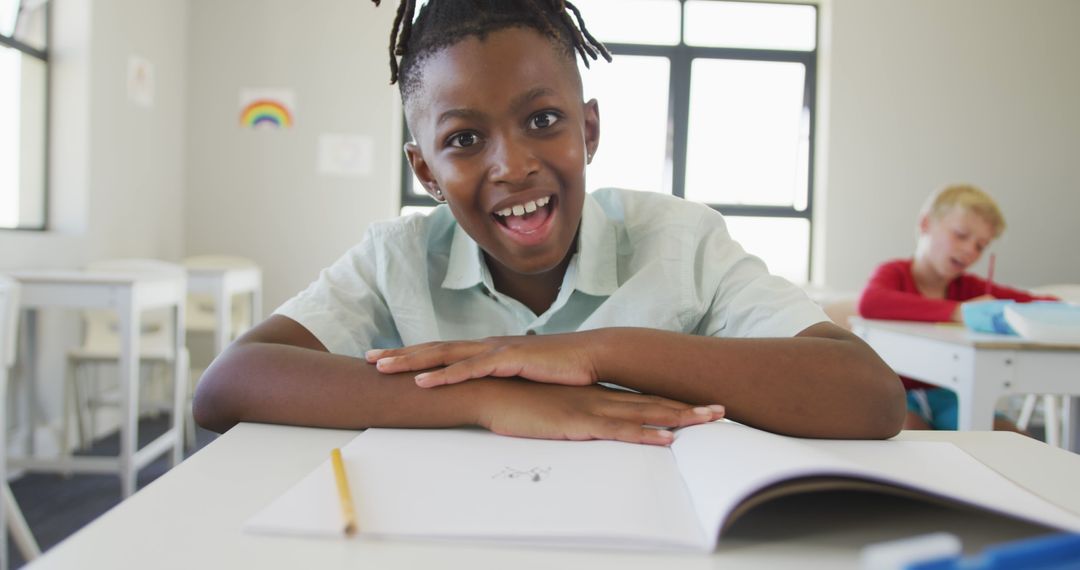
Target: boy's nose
[512, 162]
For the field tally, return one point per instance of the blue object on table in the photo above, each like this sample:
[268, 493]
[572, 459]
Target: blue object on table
[1045, 321]
[987, 316]
[1053, 552]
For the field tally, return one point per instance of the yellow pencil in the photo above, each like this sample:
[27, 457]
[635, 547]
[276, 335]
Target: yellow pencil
[347, 511]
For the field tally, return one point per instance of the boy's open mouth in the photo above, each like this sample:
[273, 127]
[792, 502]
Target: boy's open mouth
[528, 217]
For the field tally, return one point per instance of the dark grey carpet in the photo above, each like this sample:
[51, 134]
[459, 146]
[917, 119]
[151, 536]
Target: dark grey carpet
[55, 506]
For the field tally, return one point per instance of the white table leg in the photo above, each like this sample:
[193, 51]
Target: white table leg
[1071, 426]
[181, 385]
[3, 452]
[130, 329]
[256, 305]
[223, 316]
[980, 385]
[28, 392]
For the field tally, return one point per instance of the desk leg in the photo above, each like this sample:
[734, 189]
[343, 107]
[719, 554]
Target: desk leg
[980, 386]
[223, 330]
[130, 330]
[29, 373]
[3, 456]
[181, 385]
[1071, 424]
[256, 305]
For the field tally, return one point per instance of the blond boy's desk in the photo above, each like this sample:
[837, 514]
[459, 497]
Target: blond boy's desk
[980, 368]
[191, 517]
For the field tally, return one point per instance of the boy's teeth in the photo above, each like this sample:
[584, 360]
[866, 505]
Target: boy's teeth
[527, 207]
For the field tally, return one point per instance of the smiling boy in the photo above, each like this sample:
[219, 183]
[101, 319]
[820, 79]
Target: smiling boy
[510, 305]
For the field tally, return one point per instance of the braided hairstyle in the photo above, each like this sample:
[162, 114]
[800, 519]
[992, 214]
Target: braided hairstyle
[442, 23]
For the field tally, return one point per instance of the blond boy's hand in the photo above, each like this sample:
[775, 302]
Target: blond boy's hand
[958, 314]
[553, 359]
[545, 411]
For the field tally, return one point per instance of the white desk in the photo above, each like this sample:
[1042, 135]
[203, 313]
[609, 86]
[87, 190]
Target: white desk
[222, 283]
[129, 295]
[191, 517]
[980, 368]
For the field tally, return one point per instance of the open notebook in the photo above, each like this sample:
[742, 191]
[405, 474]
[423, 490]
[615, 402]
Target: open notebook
[473, 484]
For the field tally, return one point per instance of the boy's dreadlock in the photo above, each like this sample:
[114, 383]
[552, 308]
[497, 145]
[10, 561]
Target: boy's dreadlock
[444, 22]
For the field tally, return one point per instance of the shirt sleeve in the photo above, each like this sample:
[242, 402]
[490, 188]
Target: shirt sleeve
[978, 286]
[743, 299]
[886, 297]
[344, 307]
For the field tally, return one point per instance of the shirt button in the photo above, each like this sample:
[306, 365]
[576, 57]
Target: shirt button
[530, 331]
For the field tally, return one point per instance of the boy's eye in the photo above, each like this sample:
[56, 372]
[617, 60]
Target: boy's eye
[463, 140]
[543, 120]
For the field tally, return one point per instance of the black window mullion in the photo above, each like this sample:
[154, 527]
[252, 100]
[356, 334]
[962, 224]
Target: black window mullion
[28, 50]
[680, 104]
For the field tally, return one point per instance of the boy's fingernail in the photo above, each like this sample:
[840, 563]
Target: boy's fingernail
[702, 410]
[421, 377]
[717, 408]
[665, 433]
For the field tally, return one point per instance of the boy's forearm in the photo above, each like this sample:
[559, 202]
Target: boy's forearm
[275, 383]
[810, 386]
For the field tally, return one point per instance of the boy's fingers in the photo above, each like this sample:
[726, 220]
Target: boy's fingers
[657, 415]
[438, 354]
[376, 354]
[629, 432]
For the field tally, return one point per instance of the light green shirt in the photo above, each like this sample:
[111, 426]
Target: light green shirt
[643, 260]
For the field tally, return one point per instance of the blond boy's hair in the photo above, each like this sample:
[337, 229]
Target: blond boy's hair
[971, 199]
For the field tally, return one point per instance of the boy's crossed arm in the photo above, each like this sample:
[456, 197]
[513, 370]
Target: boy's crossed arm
[280, 373]
[825, 382]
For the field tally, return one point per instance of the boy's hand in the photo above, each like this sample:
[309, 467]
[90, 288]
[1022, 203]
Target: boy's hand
[526, 409]
[552, 359]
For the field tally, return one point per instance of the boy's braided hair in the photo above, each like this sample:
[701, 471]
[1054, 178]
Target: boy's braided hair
[442, 23]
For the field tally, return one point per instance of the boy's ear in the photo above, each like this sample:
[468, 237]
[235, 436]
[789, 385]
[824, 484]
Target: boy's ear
[592, 129]
[422, 172]
[924, 223]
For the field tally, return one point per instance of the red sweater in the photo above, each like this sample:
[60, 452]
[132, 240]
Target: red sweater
[892, 294]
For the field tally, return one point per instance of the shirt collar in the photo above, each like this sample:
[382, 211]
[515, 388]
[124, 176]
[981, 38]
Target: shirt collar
[596, 273]
[465, 267]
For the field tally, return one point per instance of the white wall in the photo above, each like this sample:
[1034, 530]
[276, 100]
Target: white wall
[256, 193]
[930, 92]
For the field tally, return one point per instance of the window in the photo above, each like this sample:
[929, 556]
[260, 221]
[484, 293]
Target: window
[712, 101]
[24, 88]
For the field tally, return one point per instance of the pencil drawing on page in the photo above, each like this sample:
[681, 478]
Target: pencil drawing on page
[536, 474]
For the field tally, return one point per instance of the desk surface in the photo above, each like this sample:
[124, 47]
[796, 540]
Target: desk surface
[191, 517]
[955, 333]
[35, 276]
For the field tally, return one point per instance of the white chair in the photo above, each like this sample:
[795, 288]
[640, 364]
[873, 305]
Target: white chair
[11, 516]
[1055, 408]
[101, 345]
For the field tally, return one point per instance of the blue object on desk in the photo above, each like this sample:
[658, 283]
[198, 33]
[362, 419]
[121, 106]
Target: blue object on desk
[1053, 552]
[987, 316]
[1045, 321]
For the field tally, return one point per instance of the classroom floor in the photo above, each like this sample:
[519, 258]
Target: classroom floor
[56, 506]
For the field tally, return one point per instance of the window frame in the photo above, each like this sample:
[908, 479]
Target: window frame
[42, 55]
[681, 57]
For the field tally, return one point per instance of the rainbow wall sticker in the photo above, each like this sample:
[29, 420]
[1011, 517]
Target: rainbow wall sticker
[266, 109]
